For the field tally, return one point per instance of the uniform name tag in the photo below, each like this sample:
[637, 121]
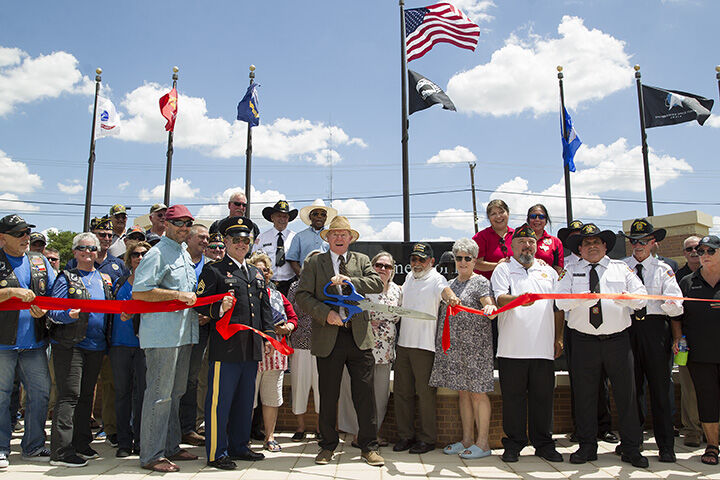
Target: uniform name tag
[232, 282]
[578, 274]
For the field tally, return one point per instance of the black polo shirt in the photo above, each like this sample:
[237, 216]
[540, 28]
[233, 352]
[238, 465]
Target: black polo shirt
[701, 322]
[682, 273]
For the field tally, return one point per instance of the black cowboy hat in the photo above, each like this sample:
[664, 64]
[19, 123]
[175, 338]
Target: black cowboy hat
[641, 228]
[591, 230]
[280, 206]
[564, 232]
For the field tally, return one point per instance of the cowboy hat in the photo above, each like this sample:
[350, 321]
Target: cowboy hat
[281, 206]
[305, 212]
[641, 228]
[340, 223]
[565, 232]
[591, 230]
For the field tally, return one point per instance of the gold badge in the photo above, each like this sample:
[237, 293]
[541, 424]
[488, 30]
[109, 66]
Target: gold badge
[3, 283]
[595, 310]
[115, 266]
[201, 287]
[71, 290]
[42, 284]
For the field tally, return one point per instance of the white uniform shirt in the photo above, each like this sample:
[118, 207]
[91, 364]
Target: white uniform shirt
[659, 279]
[615, 277]
[525, 332]
[267, 242]
[423, 295]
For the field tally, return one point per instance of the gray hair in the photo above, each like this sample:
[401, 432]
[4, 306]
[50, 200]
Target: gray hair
[466, 245]
[691, 237]
[238, 192]
[85, 236]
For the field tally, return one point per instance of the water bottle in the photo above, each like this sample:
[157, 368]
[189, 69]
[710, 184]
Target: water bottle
[682, 355]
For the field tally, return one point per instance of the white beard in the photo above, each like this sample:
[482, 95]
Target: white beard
[424, 273]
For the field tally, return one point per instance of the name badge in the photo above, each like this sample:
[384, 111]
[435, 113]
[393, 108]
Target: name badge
[578, 274]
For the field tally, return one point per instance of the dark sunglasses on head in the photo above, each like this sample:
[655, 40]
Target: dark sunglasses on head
[635, 241]
[462, 258]
[216, 246]
[708, 250]
[690, 249]
[181, 223]
[137, 254]
[19, 234]
[537, 216]
[103, 234]
[86, 248]
[239, 204]
[383, 266]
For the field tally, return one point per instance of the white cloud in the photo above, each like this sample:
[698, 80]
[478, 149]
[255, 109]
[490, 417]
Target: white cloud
[16, 177]
[521, 75]
[475, 9]
[458, 154]
[123, 186]
[25, 79]
[713, 121]
[284, 139]
[454, 218]
[11, 203]
[715, 229]
[358, 213]
[72, 187]
[179, 188]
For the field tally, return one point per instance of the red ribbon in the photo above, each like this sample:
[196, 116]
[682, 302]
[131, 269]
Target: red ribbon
[227, 330]
[528, 298]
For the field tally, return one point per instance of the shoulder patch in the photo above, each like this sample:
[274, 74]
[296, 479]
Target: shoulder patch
[106, 278]
[201, 287]
[670, 273]
[562, 274]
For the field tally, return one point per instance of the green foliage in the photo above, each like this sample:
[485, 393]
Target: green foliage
[62, 241]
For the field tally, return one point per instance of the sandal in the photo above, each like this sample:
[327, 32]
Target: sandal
[272, 446]
[162, 465]
[473, 451]
[710, 457]
[454, 448]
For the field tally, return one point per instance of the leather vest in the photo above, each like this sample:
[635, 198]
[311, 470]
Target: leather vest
[70, 334]
[38, 284]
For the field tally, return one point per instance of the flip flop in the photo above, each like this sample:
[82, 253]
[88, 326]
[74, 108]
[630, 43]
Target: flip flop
[473, 451]
[162, 465]
[454, 448]
[272, 446]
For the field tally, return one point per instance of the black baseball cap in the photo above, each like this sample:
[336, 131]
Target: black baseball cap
[711, 241]
[422, 250]
[13, 223]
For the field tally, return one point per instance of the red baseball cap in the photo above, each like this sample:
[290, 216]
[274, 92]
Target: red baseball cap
[178, 211]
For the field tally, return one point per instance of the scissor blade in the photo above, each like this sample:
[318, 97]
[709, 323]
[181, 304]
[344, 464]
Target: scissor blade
[370, 306]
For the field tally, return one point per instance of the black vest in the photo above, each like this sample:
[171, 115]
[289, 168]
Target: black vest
[70, 334]
[38, 284]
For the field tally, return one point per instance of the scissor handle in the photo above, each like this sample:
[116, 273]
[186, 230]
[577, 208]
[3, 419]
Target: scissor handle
[341, 299]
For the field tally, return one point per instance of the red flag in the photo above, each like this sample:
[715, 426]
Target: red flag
[168, 108]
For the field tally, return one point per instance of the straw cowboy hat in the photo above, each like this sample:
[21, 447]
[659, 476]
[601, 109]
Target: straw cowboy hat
[340, 223]
[305, 212]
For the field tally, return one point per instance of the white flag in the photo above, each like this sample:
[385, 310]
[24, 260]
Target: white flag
[107, 120]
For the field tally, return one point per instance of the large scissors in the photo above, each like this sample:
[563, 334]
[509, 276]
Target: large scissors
[363, 304]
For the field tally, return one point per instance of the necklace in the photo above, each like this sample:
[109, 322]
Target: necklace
[90, 280]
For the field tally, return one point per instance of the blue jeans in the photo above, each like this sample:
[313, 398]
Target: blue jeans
[128, 367]
[188, 402]
[32, 366]
[166, 379]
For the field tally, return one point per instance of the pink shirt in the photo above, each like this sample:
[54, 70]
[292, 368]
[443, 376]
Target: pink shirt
[550, 250]
[490, 247]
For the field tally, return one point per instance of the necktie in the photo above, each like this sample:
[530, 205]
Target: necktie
[596, 310]
[640, 314]
[280, 251]
[342, 269]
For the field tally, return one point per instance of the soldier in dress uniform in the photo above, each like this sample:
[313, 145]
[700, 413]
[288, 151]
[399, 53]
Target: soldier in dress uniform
[233, 362]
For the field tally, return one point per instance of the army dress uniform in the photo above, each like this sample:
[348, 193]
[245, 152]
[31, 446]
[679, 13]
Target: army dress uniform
[233, 362]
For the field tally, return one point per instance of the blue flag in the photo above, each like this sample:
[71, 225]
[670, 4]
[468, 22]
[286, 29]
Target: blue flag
[571, 143]
[249, 108]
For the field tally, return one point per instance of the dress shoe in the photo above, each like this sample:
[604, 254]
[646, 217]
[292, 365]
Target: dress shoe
[298, 437]
[573, 438]
[373, 458]
[248, 456]
[549, 454]
[123, 452]
[635, 459]
[193, 438]
[510, 456]
[223, 463]
[324, 457]
[403, 445]
[583, 455]
[422, 447]
[618, 449]
[609, 437]
[667, 456]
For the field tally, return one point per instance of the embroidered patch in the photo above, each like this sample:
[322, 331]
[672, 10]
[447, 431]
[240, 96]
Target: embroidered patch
[115, 266]
[106, 278]
[548, 241]
[201, 287]
[670, 273]
[3, 283]
[562, 274]
[596, 310]
[71, 290]
[42, 284]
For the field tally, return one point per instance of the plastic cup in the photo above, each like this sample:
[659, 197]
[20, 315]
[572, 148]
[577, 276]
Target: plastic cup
[681, 358]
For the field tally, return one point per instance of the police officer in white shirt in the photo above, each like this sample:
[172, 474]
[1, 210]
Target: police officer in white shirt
[601, 340]
[650, 335]
[275, 242]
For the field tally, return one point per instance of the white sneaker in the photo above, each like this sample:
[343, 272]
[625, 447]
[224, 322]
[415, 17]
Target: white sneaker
[3, 460]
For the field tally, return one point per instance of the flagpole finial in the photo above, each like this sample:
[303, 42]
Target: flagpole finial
[252, 68]
[559, 68]
[717, 68]
[175, 69]
[98, 71]
[637, 68]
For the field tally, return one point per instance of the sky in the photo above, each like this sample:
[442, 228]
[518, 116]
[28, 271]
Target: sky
[330, 110]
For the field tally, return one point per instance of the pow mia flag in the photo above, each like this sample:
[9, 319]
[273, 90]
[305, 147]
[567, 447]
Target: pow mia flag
[423, 94]
[668, 107]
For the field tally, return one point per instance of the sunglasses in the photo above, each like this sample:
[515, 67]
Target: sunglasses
[262, 269]
[318, 213]
[159, 214]
[215, 246]
[464, 259]
[139, 238]
[19, 234]
[86, 248]
[690, 249]
[383, 266]
[103, 235]
[138, 254]
[709, 251]
[239, 204]
[53, 259]
[181, 223]
[537, 216]
[239, 240]
[635, 241]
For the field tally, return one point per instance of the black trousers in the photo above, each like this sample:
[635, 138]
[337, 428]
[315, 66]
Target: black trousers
[604, 418]
[650, 342]
[76, 372]
[128, 367]
[188, 402]
[590, 355]
[360, 365]
[527, 387]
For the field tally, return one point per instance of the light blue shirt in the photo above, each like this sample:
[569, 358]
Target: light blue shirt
[167, 265]
[304, 243]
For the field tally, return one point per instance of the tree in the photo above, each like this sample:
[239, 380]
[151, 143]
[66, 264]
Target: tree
[62, 242]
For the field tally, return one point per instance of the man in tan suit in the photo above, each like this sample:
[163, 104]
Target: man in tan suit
[338, 343]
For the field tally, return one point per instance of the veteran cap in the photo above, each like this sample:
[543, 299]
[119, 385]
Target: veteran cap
[13, 223]
[117, 209]
[525, 231]
[641, 228]
[565, 232]
[711, 241]
[37, 237]
[101, 223]
[422, 250]
[157, 207]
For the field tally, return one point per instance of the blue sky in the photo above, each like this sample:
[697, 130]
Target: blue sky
[330, 79]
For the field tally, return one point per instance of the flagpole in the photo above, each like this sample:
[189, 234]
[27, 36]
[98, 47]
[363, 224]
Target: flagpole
[472, 187]
[566, 167]
[405, 168]
[646, 162]
[248, 155]
[717, 75]
[91, 160]
[168, 167]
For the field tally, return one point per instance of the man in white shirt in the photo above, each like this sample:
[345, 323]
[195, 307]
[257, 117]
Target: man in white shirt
[601, 341]
[423, 290]
[276, 241]
[529, 339]
[650, 335]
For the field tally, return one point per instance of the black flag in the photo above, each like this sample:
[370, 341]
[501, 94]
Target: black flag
[423, 94]
[668, 107]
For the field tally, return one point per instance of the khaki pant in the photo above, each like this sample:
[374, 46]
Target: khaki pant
[691, 428]
[412, 377]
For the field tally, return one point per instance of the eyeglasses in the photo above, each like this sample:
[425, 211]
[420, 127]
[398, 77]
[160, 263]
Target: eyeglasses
[138, 254]
[238, 240]
[709, 251]
[239, 204]
[464, 259]
[383, 266]
[53, 259]
[537, 216]
[181, 223]
[103, 234]
[635, 241]
[690, 249]
[139, 238]
[215, 246]
[86, 248]
[159, 214]
[19, 234]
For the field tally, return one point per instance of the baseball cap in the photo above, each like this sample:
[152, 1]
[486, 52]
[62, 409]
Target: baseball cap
[178, 211]
[37, 236]
[711, 241]
[157, 207]
[117, 208]
[12, 223]
[422, 250]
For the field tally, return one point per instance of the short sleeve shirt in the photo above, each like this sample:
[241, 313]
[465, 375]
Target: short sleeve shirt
[492, 247]
[305, 242]
[550, 250]
[423, 295]
[700, 321]
[267, 242]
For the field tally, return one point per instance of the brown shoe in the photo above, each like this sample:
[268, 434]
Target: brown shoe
[324, 457]
[162, 465]
[193, 438]
[182, 455]
[373, 458]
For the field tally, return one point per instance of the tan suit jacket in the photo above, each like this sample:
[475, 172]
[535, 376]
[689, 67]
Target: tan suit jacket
[316, 273]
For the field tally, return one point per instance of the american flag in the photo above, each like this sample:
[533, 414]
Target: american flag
[442, 22]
